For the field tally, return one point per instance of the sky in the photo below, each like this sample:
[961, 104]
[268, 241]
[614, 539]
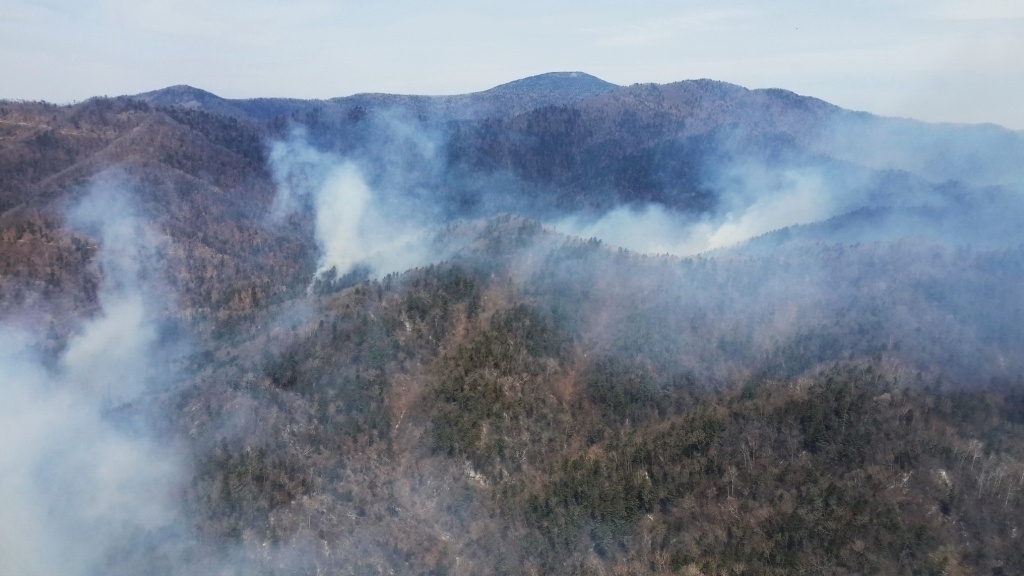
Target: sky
[934, 60]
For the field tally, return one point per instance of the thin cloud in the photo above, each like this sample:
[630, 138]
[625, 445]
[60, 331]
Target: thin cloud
[981, 10]
[659, 30]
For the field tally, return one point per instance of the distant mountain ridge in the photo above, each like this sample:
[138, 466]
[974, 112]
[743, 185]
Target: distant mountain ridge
[550, 89]
[578, 84]
[645, 115]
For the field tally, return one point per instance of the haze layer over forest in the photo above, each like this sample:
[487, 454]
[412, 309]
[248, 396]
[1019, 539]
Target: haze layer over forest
[559, 326]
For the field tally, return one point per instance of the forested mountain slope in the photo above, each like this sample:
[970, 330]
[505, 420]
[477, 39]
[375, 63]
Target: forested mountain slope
[550, 405]
[389, 334]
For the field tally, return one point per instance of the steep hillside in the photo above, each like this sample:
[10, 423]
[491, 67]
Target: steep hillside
[199, 178]
[548, 405]
[555, 327]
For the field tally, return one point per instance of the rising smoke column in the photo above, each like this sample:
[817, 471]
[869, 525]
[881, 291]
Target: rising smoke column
[80, 486]
[356, 225]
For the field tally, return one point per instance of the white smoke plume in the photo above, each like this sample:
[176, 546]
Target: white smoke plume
[356, 226]
[755, 203]
[78, 486]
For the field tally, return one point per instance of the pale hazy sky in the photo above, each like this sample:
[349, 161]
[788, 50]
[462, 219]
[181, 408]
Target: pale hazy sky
[935, 60]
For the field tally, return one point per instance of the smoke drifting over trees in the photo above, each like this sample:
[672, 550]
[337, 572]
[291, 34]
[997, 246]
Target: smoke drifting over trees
[84, 482]
[555, 327]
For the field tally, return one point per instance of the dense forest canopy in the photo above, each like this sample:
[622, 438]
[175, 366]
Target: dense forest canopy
[559, 326]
